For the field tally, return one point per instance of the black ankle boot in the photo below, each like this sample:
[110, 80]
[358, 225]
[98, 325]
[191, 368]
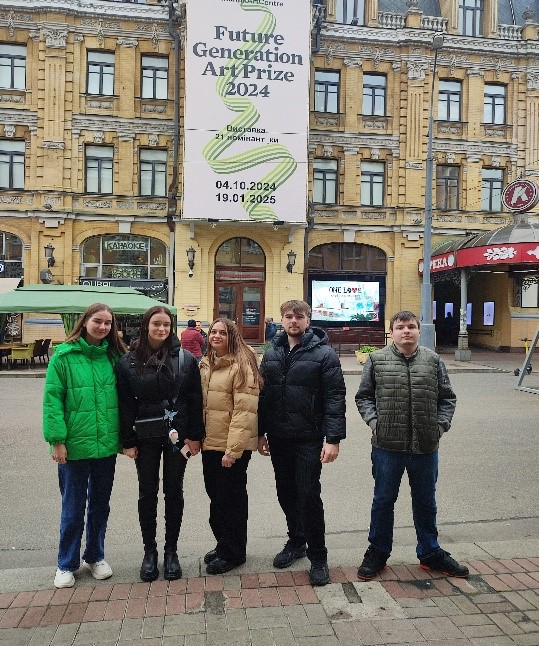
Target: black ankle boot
[172, 567]
[148, 569]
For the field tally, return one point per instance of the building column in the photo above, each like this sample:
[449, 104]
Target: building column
[463, 353]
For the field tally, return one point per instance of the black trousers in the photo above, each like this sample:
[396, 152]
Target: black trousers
[229, 503]
[297, 470]
[148, 462]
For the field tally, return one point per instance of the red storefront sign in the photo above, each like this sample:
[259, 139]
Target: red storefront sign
[499, 254]
[443, 262]
[520, 195]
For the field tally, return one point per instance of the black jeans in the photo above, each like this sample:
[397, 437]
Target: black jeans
[297, 469]
[229, 503]
[148, 461]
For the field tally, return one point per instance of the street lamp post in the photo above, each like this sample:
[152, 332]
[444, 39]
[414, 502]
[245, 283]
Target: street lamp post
[427, 326]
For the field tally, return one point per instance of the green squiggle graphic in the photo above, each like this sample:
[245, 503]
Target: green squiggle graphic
[249, 116]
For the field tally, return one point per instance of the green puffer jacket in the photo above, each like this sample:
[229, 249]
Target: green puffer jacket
[80, 403]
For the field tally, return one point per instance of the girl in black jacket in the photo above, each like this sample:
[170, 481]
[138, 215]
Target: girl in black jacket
[151, 380]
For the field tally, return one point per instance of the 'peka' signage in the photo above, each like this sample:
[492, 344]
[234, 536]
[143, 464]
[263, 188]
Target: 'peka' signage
[246, 109]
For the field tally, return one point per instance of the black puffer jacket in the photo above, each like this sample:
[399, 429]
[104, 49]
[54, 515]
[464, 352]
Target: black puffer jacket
[147, 395]
[304, 396]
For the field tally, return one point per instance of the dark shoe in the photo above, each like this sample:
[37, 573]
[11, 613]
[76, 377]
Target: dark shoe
[209, 556]
[319, 574]
[373, 563]
[220, 566]
[443, 562]
[288, 555]
[172, 569]
[148, 569]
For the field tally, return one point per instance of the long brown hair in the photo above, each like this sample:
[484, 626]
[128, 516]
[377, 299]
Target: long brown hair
[142, 350]
[242, 353]
[116, 346]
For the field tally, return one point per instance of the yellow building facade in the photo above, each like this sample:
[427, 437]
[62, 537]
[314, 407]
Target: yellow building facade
[91, 110]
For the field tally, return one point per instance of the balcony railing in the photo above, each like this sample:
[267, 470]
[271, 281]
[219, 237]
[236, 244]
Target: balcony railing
[391, 20]
[436, 23]
[510, 32]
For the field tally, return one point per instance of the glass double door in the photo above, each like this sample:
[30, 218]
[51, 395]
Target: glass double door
[242, 303]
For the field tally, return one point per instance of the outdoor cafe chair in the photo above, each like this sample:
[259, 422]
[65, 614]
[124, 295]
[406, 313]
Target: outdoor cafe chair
[24, 353]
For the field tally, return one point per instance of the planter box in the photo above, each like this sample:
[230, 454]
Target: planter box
[362, 356]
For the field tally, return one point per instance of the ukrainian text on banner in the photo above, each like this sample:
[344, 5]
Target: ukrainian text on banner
[246, 109]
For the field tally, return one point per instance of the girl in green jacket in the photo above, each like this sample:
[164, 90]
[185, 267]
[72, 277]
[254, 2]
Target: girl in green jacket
[81, 423]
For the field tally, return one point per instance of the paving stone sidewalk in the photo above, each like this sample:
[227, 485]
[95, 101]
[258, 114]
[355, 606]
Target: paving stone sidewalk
[498, 605]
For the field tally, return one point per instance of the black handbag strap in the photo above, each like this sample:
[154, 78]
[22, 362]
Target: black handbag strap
[180, 365]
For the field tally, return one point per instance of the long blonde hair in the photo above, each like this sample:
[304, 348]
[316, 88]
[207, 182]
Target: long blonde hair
[242, 353]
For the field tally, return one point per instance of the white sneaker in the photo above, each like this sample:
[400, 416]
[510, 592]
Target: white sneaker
[64, 579]
[100, 570]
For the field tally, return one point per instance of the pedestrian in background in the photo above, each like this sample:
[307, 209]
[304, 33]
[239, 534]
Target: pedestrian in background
[406, 398]
[271, 329]
[157, 376]
[203, 334]
[192, 340]
[230, 386]
[302, 419]
[80, 422]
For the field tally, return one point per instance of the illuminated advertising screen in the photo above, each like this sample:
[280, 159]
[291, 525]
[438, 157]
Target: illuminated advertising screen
[342, 302]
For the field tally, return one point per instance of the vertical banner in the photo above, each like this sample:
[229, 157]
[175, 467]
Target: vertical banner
[247, 68]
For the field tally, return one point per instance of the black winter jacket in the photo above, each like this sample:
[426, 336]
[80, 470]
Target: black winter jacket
[147, 395]
[303, 398]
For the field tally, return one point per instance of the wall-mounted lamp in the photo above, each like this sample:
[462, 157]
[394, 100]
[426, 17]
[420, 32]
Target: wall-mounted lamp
[291, 261]
[191, 253]
[49, 255]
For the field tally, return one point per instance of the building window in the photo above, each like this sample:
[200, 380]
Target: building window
[124, 257]
[325, 181]
[100, 73]
[447, 187]
[350, 12]
[372, 183]
[471, 17]
[494, 102]
[13, 66]
[11, 254]
[99, 161]
[347, 257]
[326, 91]
[374, 94]
[153, 172]
[11, 164]
[449, 100]
[491, 189]
[154, 77]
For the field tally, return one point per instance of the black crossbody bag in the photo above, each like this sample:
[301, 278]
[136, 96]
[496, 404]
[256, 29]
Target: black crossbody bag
[151, 428]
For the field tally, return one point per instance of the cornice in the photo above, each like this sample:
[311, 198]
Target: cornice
[404, 37]
[476, 148]
[18, 117]
[125, 10]
[353, 140]
[122, 126]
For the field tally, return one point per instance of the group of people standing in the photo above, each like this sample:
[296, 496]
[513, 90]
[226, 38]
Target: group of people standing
[160, 403]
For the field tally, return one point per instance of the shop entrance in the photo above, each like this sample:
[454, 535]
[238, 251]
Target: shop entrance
[239, 287]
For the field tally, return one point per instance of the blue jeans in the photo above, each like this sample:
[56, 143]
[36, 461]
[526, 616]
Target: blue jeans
[387, 470]
[81, 481]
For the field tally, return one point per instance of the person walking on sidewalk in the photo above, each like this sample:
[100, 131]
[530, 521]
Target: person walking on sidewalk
[80, 422]
[192, 340]
[406, 398]
[157, 376]
[301, 422]
[230, 387]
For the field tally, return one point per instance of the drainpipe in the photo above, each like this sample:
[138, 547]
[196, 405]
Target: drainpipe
[174, 21]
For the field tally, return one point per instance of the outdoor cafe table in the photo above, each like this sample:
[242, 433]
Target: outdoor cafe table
[9, 346]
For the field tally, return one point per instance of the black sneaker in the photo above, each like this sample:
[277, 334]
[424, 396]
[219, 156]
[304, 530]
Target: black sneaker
[373, 563]
[288, 555]
[209, 556]
[443, 562]
[319, 574]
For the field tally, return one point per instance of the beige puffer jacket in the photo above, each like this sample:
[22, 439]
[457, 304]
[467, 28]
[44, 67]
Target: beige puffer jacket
[230, 412]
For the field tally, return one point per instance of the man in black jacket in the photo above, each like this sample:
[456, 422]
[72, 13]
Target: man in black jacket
[302, 419]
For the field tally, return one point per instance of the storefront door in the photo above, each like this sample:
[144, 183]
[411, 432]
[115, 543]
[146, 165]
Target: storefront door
[243, 303]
